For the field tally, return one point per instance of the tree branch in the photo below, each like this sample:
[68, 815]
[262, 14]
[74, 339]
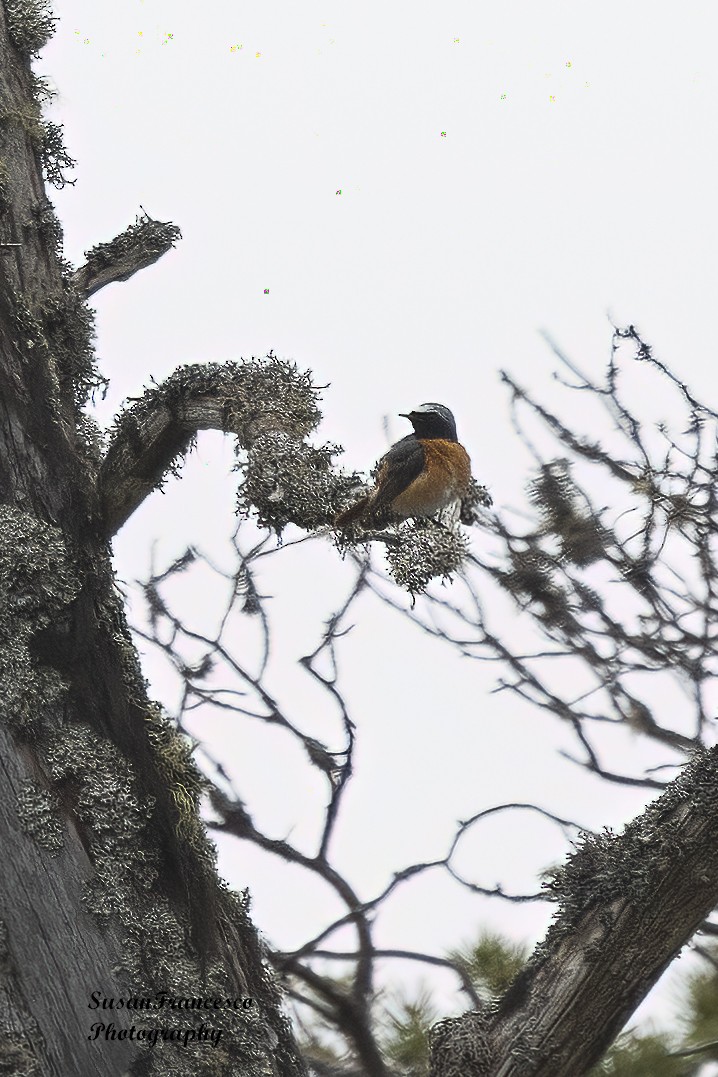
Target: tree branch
[627, 906]
[139, 246]
[268, 405]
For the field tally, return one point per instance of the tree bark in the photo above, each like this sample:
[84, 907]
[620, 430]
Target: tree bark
[109, 887]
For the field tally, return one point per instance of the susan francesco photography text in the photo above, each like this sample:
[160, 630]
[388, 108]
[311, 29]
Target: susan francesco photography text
[167, 1004]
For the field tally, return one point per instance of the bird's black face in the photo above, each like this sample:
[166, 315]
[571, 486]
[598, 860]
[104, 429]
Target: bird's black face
[432, 421]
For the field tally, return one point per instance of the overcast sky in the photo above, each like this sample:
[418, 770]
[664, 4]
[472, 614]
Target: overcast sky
[399, 196]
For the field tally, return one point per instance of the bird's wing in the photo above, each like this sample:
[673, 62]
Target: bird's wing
[397, 470]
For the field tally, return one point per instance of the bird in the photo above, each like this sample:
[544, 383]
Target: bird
[423, 473]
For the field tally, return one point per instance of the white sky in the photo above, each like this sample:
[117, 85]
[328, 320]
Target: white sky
[421, 188]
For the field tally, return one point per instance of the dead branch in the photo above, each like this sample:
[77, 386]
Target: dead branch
[139, 246]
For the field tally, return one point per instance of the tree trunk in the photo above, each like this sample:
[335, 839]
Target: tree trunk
[627, 906]
[108, 888]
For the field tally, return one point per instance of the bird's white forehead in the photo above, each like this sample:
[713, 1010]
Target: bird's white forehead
[428, 409]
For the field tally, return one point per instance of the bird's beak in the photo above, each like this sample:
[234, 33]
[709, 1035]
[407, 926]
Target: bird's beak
[406, 414]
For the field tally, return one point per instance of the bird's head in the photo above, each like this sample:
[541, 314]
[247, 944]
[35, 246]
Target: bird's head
[432, 421]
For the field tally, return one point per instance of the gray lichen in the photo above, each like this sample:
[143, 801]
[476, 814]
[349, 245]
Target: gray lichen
[146, 237]
[257, 395]
[56, 161]
[27, 329]
[69, 329]
[30, 693]
[459, 1045]
[48, 224]
[607, 867]
[185, 781]
[113, 819]
[17, 1057]
[38, 812]
[36, 576]
[110, 811]
[286, 481]
[36, 583]
[61, 331]
[272, 394]
[475, 503]
[46, 136]
[30, 24]
[99, 792]
[425, 551]
[90, 442]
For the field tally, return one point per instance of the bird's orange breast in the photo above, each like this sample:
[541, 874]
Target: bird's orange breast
[444, 479]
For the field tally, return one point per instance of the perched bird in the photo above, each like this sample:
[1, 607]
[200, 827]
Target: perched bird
[423, 473]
